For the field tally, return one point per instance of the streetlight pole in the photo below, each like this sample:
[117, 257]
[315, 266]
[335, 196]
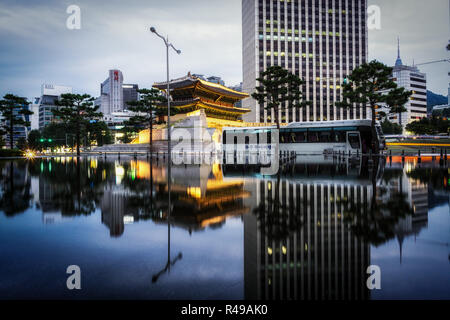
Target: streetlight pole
[168, 44]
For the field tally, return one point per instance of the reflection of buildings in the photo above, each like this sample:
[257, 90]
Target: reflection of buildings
[15, 188]
[113, 210]
[302, 249]
[114, 205]
[416, 193]
[51, 209]
[201, 197]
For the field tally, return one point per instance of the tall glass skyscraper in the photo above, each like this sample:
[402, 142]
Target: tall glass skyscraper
[321, 41]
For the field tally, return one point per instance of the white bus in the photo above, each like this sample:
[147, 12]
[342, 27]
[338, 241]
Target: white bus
[354, 136]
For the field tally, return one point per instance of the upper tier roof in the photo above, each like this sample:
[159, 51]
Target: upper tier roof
[191, 81]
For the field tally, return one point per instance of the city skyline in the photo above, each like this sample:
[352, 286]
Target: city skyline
[117, 37]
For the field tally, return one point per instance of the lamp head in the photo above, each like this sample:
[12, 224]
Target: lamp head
[152, 29]
[179, 51]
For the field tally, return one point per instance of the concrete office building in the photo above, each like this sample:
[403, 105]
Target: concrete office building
[114, 95]
[321, 41]
[410, 78]
[49, 94]
[111, 93]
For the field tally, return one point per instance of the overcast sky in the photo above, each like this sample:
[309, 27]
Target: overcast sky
[36, 47]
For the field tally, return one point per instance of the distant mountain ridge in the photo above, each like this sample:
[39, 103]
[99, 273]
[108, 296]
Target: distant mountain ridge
[434, 99]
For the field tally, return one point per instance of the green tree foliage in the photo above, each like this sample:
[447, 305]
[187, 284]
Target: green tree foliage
[145, 111]
[22, 144]
[279, 87]
[429, 126]
[129, 132]
[12, 110]
[54, 135]
[76, 111]
[371, 84]
[443, 113]
[34, 137]
[391, 128]
[99, 132]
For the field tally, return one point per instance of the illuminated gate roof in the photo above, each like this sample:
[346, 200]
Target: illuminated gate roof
[190, 93]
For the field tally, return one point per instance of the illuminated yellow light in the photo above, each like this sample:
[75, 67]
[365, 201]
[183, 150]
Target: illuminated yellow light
[283, 249]
[194, 192]
[93, 164]
[269, 251]
[29, 154]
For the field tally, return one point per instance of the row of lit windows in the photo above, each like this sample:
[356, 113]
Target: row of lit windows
[289, 54]
[296, 31]
[317, 11]
[288, 38]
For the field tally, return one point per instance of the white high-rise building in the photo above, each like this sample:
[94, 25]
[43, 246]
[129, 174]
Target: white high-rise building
[112, 93]
[410, 78]
[321, 41]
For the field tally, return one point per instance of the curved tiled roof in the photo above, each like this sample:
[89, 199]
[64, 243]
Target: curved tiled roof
[189, 81]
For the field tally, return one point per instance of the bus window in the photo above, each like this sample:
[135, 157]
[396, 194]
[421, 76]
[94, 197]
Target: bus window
[339, 136]
[293, 140]
[353, 139]
[325, 136]
[301, 137]
[313, 136]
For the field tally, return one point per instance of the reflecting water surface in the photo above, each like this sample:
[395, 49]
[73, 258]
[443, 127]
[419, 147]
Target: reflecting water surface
[228, 232]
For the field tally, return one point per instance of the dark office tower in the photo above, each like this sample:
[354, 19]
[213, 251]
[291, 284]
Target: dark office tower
[130, 93]
[321, 41]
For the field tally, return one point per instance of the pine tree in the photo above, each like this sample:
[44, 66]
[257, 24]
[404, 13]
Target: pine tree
[75, 111]
[279, 87]
[370, 85]
[146, 108]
